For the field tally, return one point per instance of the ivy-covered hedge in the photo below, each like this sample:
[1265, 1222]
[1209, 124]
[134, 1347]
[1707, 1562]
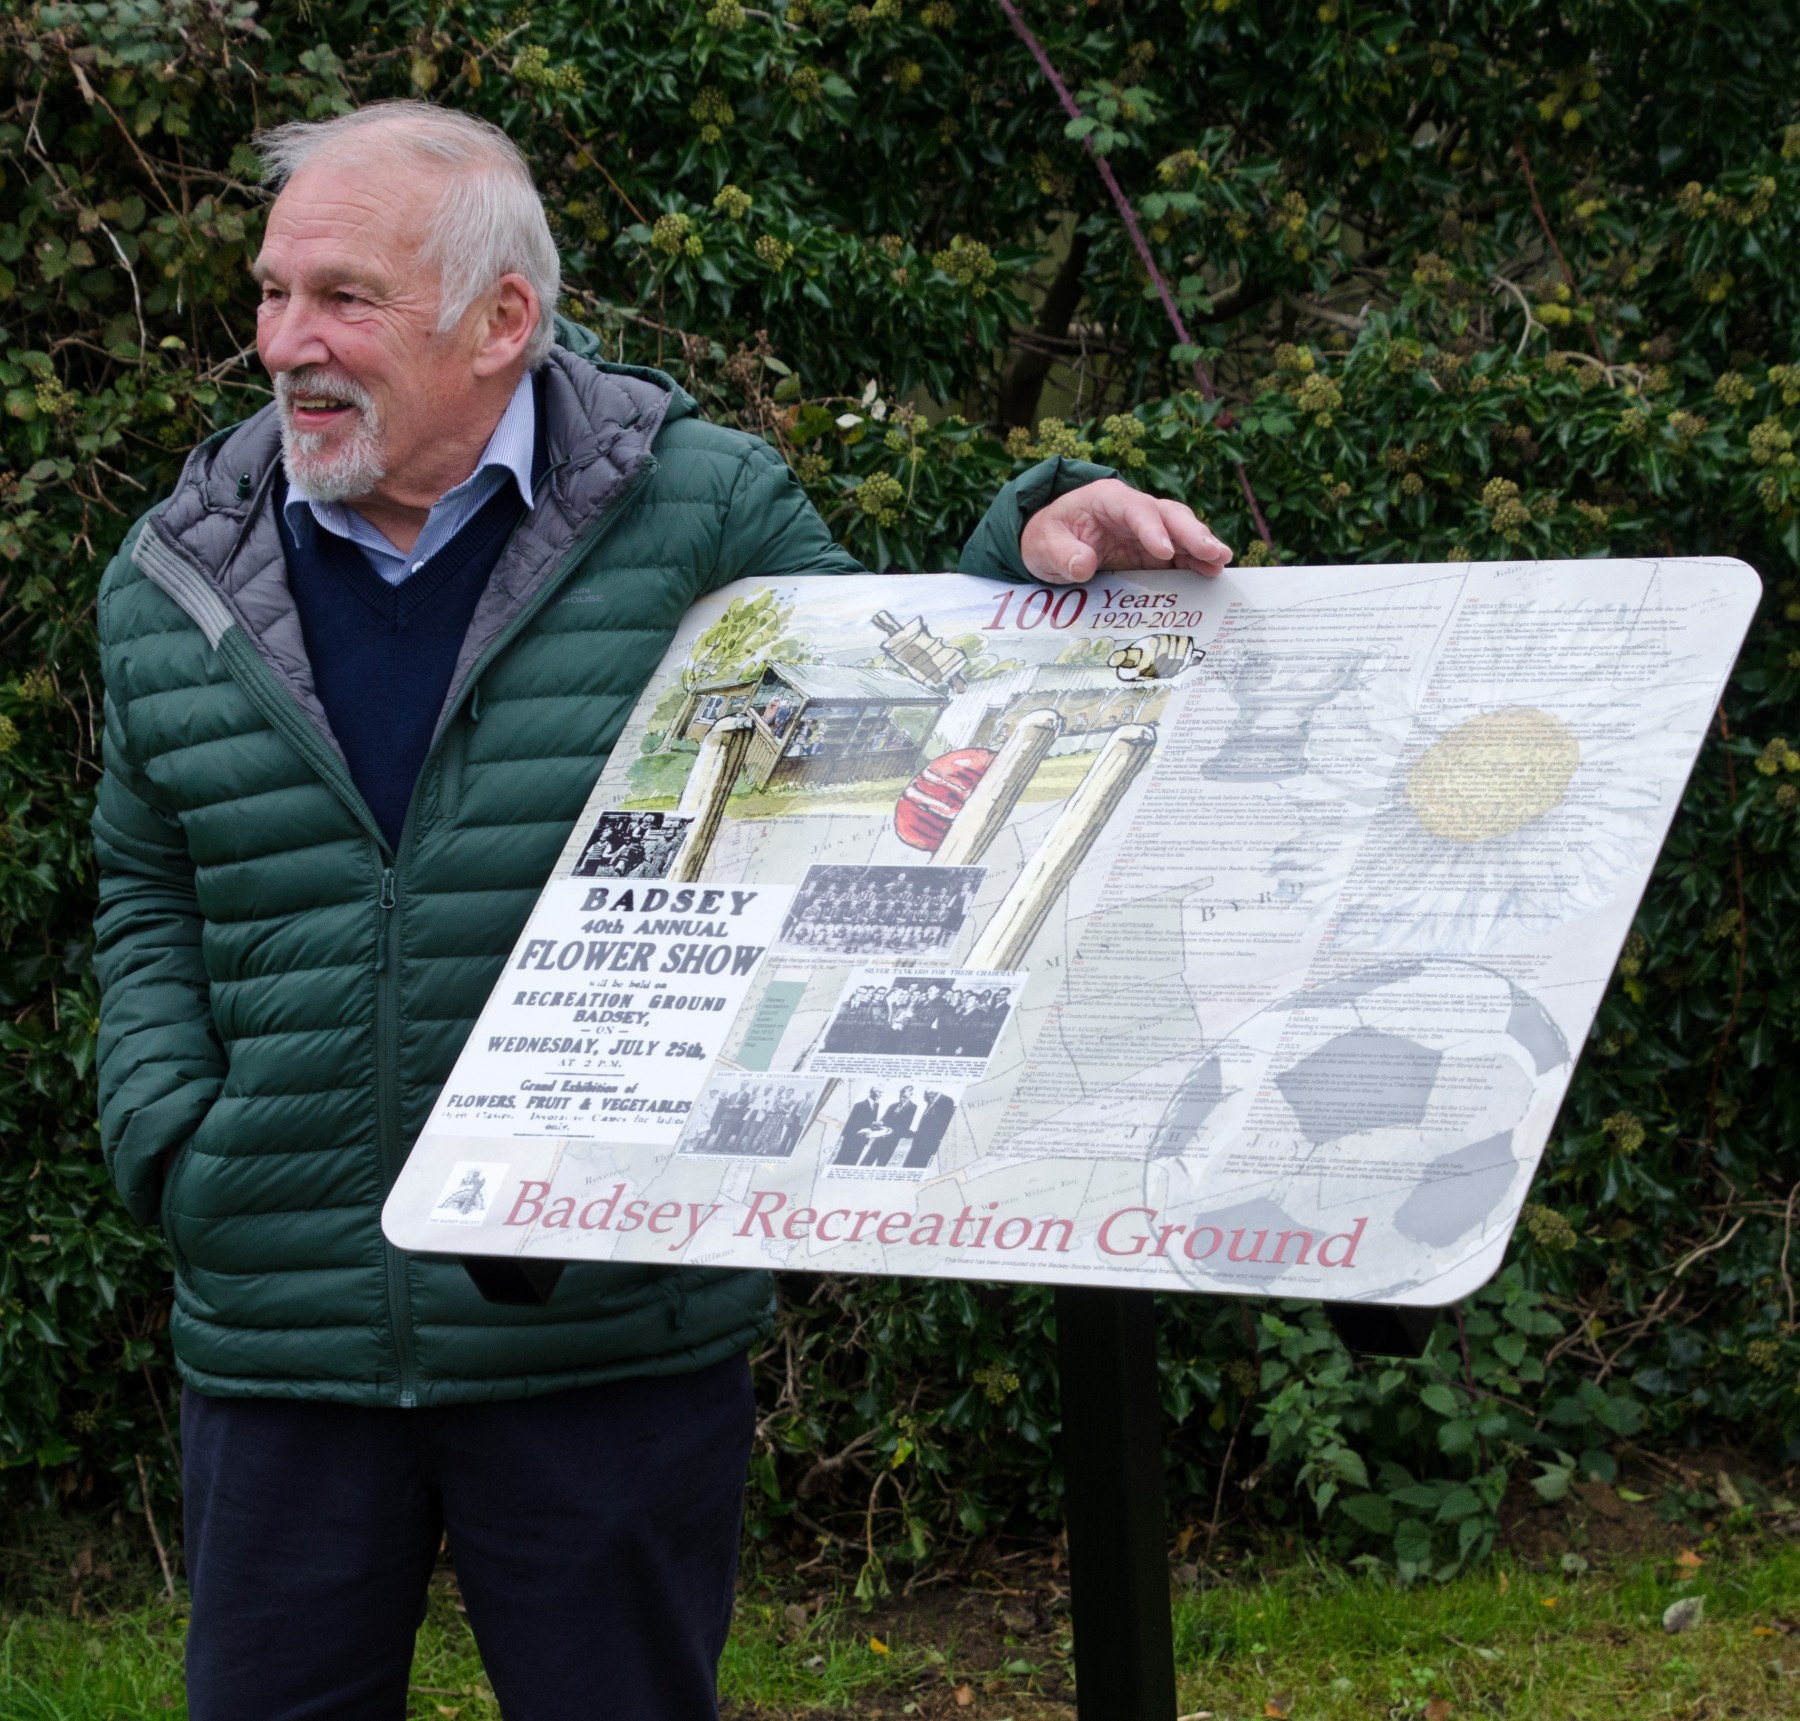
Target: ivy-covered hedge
[1502, 280]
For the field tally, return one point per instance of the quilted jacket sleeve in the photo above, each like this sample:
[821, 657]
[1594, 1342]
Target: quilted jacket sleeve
[993, 547]
[771, 527]
[161, 1064]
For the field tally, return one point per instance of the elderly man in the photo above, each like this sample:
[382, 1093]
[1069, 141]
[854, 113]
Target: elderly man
[362, 667]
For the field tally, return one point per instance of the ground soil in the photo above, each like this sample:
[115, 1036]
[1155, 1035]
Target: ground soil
[1603, 1523]
[1003, 1605]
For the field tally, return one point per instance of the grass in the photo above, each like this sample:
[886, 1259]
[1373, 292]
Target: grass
[1508, 1640]
[658, 778]
[128, 1664]
[54, 1669]
[1311, 1644]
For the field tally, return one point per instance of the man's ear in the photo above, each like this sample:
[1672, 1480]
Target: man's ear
[508, 320]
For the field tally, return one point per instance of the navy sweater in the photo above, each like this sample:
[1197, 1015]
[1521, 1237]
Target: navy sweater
[382, 655]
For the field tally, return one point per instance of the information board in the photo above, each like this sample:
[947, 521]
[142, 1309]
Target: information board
[1232, 935]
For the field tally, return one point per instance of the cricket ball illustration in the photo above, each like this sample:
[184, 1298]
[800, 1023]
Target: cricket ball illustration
[923, 814]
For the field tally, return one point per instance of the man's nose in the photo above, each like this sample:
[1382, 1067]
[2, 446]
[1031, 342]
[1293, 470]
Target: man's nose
[289, 335]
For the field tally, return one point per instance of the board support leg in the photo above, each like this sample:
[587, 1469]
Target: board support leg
[1370, 1329]
[513, 1280]
[1113, 1504]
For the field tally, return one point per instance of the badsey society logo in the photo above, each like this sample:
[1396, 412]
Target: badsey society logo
[469, 1192]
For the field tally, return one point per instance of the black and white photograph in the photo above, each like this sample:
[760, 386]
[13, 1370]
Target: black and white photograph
[632, 845]
[889, 1023]
[468, 1192]
[896, 1126]
[752, 1117]
[880, 910]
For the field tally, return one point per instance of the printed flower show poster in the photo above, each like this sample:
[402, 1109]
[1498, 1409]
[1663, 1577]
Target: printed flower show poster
[1233, 935]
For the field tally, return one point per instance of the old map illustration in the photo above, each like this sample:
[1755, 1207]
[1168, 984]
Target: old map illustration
[1234, 935]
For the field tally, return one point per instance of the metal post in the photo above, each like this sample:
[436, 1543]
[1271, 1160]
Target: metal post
[1113, 1504]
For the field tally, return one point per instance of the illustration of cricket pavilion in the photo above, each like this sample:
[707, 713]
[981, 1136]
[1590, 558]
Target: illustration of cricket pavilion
[819, 722]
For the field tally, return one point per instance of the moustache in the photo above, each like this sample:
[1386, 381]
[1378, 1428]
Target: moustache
[297, 385]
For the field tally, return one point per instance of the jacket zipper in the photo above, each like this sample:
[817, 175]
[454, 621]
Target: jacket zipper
[285, 716]
[387, 1005]
[387, 1002]
[387, 908]
[276, 704]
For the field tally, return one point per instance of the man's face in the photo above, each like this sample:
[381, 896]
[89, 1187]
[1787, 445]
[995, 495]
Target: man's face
[348, 329]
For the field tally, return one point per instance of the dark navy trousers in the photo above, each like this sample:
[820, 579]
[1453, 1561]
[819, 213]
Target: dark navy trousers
[594, 1533]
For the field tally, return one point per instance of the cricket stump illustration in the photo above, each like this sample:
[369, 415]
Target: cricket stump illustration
[917, 650]
[983, 815]
[720, 758]
[1045, 876]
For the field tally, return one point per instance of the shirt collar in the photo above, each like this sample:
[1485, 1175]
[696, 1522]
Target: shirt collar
[509, 449]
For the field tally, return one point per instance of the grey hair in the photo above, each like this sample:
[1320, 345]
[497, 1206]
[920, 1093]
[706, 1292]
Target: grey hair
[489, 220]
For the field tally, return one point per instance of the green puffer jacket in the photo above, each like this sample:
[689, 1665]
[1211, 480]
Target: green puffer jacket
[283, 997]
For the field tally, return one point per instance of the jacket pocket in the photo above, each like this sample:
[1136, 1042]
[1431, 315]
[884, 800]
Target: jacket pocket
[167, 1211]
[447, 791]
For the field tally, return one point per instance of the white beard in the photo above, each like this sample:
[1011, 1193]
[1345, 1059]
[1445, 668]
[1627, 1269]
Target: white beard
[328, 466]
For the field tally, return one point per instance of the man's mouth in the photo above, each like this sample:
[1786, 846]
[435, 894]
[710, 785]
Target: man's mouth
[312, 404]
[314, 411]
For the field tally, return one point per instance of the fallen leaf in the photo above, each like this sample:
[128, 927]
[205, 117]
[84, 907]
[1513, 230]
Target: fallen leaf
[1688, 1558]
[1762, 1631]
[1505, 1583]
[1683, 1615]
[1438, 1709]
[1279, 1705]
[1548, 1601]
[1727, 1492]
[964, 1695]
[795, 1615]
[878, 1646]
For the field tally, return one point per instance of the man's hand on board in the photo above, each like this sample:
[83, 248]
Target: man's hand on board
[1107, 525]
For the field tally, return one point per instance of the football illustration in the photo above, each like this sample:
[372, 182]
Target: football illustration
[1421, 1071]
[933, 798]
